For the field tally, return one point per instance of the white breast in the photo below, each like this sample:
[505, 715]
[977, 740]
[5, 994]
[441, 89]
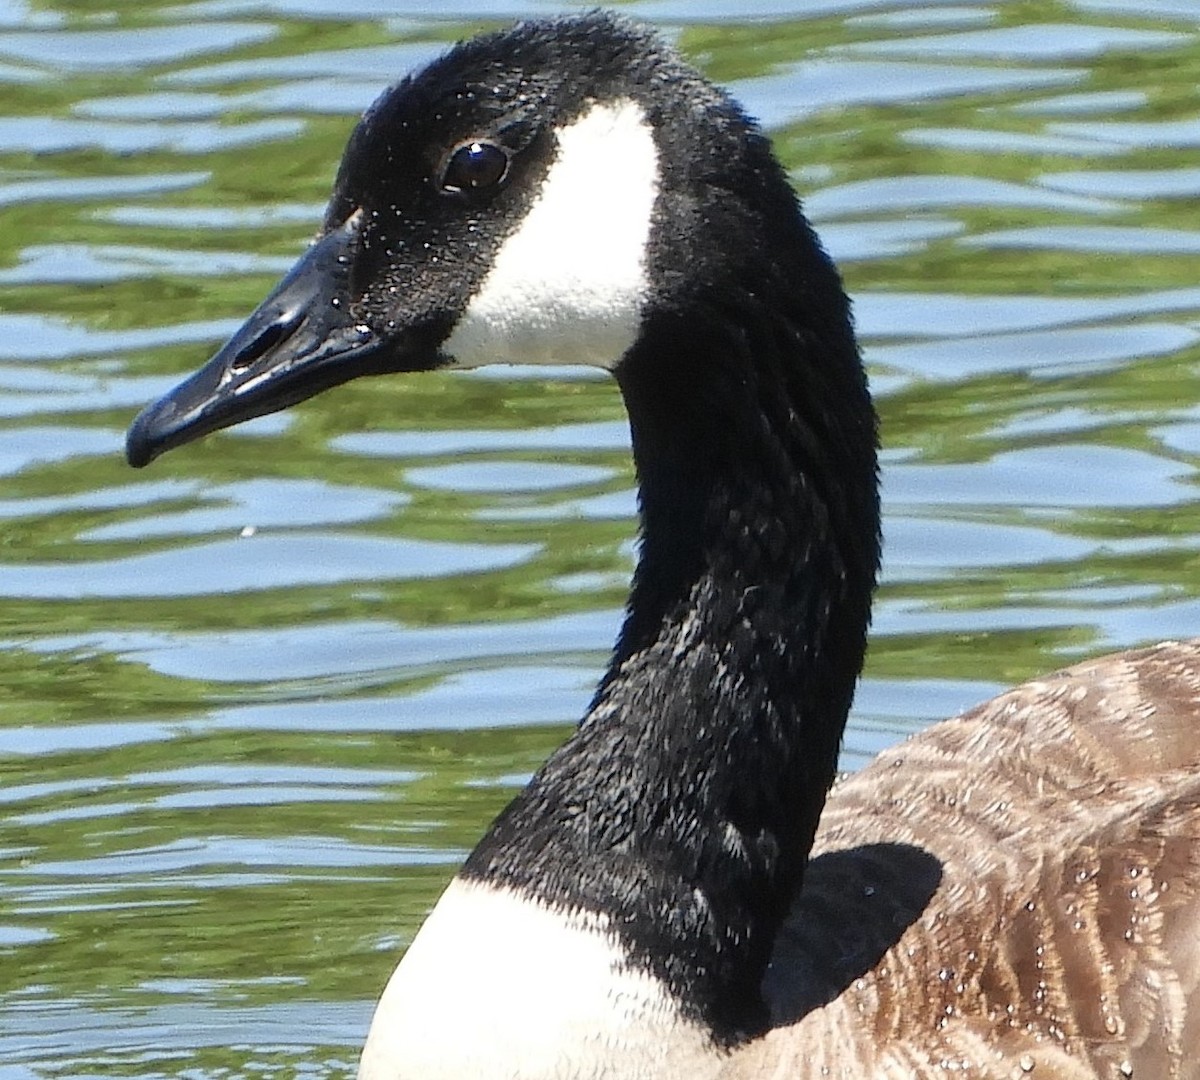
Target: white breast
[496, 987]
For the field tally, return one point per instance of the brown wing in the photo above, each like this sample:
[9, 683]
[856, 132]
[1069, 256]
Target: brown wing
[1016, 891]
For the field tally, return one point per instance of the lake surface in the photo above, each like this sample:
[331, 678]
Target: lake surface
[260, 700]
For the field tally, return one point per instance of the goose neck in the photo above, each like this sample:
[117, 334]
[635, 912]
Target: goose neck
[683, 808]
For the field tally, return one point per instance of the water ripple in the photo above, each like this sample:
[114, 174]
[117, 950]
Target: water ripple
[101, 50]
[254, 564]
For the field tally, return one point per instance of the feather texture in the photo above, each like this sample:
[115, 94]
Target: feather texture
[1012, 892]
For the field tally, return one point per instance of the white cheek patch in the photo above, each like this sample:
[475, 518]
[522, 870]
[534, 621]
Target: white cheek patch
[568, 286]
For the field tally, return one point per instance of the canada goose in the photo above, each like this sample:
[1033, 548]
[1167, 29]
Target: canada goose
[1013, 892]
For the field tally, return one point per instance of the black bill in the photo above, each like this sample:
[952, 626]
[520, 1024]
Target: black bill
[301, 340]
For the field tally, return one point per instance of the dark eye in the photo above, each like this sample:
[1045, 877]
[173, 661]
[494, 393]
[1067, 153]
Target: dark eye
[475, 166]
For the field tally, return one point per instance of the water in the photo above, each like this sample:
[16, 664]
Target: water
[261, 698]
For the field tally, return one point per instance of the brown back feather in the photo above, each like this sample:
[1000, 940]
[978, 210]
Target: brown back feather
[1016, 890]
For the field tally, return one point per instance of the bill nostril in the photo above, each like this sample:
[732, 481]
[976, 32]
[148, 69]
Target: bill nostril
[277, 331]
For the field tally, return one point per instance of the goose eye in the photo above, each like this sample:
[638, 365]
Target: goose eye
[475, 166]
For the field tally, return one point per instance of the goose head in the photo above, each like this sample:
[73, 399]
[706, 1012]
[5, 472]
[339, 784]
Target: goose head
[537, 196]
[495, 207]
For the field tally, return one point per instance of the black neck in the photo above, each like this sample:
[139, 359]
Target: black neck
[685, 805]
